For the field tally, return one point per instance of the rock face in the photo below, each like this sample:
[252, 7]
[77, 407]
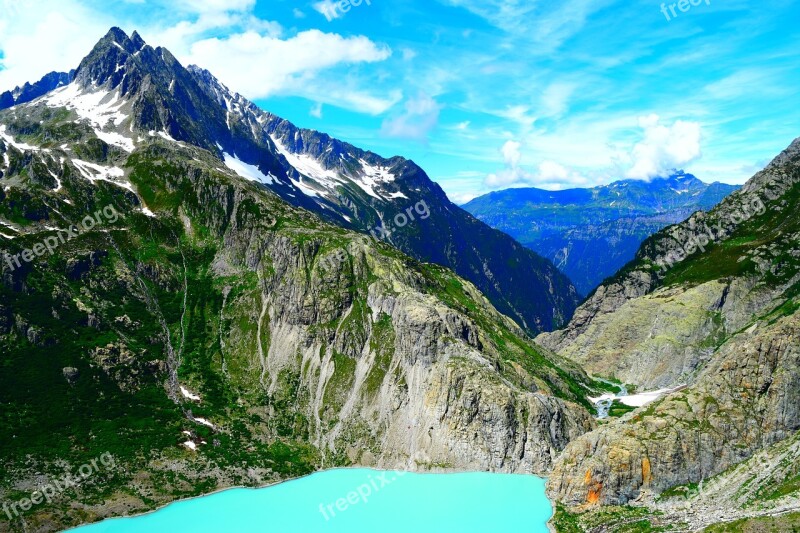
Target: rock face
[747, 399]
[28, 92]
[722, 320]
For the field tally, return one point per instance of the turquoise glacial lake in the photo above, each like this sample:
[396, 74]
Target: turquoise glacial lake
[356, 500]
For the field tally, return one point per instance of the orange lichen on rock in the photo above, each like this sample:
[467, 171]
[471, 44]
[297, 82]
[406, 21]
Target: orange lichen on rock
[593, 497]
[595, 488]
[647, 475]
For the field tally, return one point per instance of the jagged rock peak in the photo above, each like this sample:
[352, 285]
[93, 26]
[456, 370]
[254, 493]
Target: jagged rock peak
[107, 60]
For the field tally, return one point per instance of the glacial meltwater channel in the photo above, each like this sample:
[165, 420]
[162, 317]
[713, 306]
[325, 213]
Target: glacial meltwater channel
[356, 500]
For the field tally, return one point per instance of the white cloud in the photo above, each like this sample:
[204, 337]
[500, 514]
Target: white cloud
[548, 24]
[54, 36]
[408, 53]
[549, 175]
[511, 153]
[664, 148]
[260, 66]
[253, 58]
[298, 14]
[316, 110]
[420, 116]
[461, 198]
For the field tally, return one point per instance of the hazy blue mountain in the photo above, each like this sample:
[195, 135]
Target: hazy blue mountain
[591, 233]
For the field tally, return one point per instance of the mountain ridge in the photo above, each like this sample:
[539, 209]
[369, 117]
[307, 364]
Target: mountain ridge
[353, 188]
[709, 305]
[591, 233]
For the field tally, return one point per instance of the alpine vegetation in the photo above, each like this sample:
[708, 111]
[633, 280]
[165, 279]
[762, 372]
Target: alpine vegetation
[107, 215]
[701, 236]
[53, 489]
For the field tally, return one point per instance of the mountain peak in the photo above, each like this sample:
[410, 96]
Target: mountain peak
[117, 35]
[137, 40]
[106, 62]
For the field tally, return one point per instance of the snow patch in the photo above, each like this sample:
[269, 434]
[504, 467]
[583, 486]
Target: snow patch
[22, 147]
[245, 170]
[309, 167]
[110, 137]
[93, 172]
[635, 400]
[205, 422]
[98, 107]
[58, 181]
[189, 395]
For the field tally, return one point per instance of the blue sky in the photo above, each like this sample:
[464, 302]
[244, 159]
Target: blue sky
[483, 94]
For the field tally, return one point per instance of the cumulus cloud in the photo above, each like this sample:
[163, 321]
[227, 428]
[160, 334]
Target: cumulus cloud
[420, 116]
[55, 35]
[664, 148]
[548, 175]
[256, 65]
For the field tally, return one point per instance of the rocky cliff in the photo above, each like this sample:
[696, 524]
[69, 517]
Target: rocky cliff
[710, 303]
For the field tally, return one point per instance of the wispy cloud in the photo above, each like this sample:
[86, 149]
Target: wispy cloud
[420, 116]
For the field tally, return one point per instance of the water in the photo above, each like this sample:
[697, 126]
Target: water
[603, 404]
[356, 500]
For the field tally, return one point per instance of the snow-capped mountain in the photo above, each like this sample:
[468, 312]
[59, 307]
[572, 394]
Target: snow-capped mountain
[129, 95]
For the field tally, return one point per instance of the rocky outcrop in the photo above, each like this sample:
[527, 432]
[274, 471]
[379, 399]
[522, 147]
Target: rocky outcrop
[710, 304]
[385, 373]
[692, 285]
[747, 399]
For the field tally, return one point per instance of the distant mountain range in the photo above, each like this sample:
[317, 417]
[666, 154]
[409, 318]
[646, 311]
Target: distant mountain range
[31, 91]
[591, 233]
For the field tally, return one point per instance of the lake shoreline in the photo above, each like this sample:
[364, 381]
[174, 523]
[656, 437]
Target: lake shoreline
[437, 473]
